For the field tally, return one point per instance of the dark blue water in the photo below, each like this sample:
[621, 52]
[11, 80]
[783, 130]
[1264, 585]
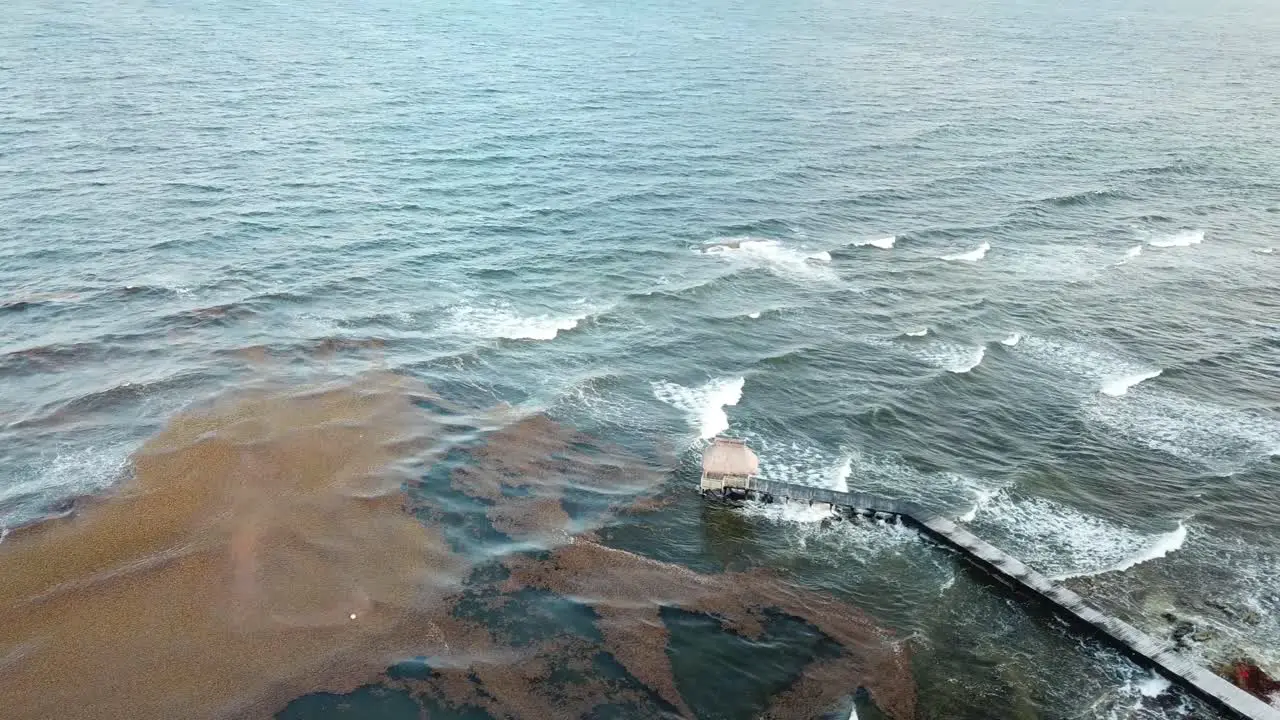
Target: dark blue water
[1015, 260]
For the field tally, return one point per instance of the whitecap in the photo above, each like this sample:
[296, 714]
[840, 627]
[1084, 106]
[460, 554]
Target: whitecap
[953, 358]
[1265, 251]
[1012, 340]
[799, 462]
[1062, 541]
[68, 474]
[840, 478]
[843, 539]
[1095, 366]
[1160, 546]
[1184, 238]
[974, 361]
[982, 497]
[1119, 386]
[1190, 429]
[1154, 685]
[917, 333]
[972, 256]
[780, 259]
[1134, 251]
[705, 404]
[884, 243]
[754, 315]
[502, 321]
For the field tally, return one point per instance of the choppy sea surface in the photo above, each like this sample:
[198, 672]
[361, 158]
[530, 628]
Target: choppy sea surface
[1013, 260]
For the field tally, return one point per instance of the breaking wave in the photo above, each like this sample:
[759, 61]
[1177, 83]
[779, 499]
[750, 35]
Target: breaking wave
[504, 322]
[1184, 238]
[783, 260]
[972, 256]
[705, 404]
[1063, 542]
[1160, 546]
[1119, 386]
[957, 359]
[884, 243]
[1188, 429]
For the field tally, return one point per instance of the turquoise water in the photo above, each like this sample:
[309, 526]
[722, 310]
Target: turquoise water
[936, 250]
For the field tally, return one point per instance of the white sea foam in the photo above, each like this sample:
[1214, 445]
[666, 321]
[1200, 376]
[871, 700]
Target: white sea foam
[754, 315]
[1154, 685]
[502, 321]
[1161, 545]
[844, 540]
[1134, 697]
[705, 404]
[972, 256]
[982, 497]
[1061, 541]
[1012, 340]
[917, 333]
[884, 243]
[783, 260]
[1134, 251]
[840, 478]
[1265, 251]
[1183, 238]
[958, 359]
[1094, 366]
[68, 474]
[1193, 430]
[799, 462]
[1119, 386]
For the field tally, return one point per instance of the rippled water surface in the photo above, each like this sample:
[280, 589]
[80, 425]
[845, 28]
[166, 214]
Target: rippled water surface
[1013, 260]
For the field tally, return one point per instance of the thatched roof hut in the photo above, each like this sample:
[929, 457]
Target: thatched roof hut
[726, 459]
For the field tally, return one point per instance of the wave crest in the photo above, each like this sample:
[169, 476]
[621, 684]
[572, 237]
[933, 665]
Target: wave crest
[972, 256]
[705, 405]
[504, 322]
[884, 243]
[780, 259]
[1183, 238]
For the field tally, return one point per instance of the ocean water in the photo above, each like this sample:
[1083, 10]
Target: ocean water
[1013, 260]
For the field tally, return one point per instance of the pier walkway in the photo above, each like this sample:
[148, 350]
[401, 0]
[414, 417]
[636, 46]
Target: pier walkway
[1146, 650]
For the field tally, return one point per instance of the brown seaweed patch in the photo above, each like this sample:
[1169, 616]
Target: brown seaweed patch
[260, 551]
[525, 468]
[539, 519]
[627, 590]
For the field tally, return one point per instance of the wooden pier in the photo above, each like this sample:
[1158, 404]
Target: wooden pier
[1147, 651]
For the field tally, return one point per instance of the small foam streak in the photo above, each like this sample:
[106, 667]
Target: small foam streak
[1119, 386]
[972, 256]
[1185, 238]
